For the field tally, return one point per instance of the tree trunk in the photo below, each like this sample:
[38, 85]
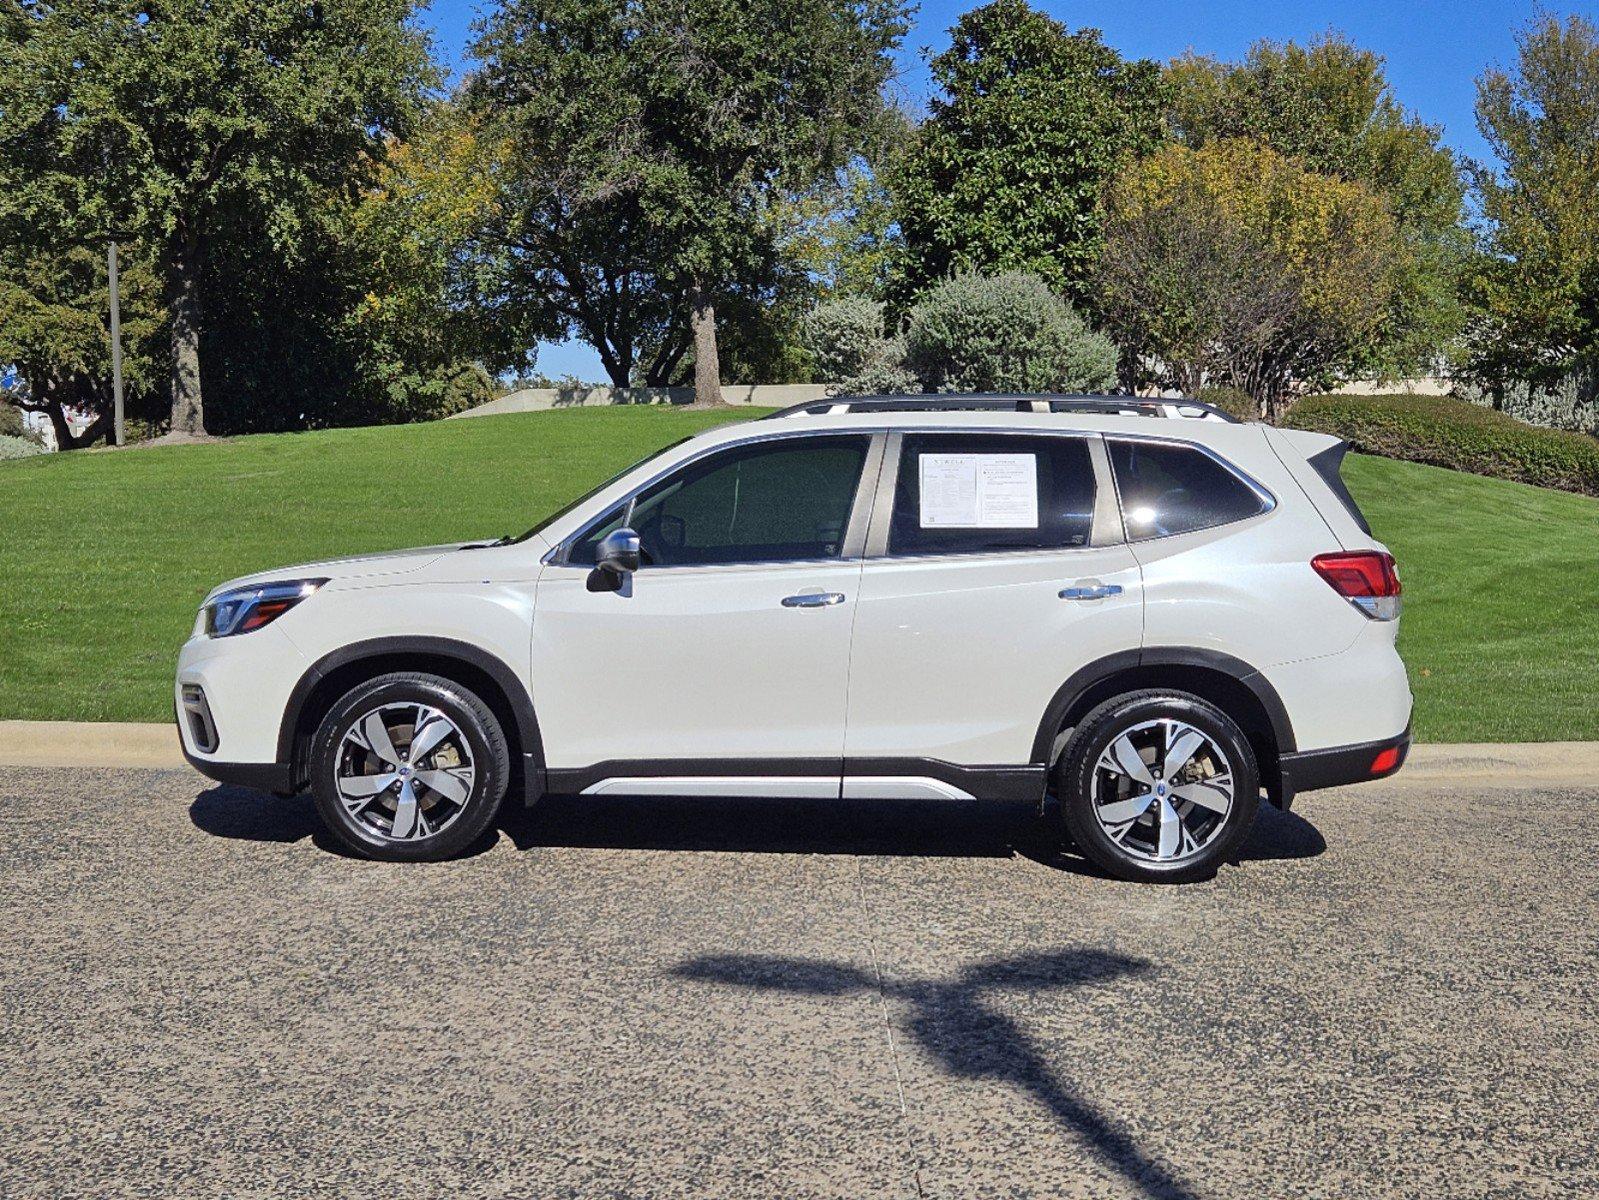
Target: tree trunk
[183, 302]
[707, 367]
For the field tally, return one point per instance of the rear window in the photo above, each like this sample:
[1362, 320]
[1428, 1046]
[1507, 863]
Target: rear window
[1168, 489]
[974, 493]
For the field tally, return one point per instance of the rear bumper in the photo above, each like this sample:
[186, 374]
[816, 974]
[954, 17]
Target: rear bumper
[1311, 770]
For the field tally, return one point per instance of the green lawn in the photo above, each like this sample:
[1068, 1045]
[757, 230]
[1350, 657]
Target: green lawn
[105, 556]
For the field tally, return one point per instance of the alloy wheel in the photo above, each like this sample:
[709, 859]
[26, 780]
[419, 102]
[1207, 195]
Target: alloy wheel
[1162, 790]
[404, 771]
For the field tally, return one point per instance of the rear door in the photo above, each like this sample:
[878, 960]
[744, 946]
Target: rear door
[995, 569]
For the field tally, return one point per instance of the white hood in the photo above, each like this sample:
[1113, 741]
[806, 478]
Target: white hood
[390, 562]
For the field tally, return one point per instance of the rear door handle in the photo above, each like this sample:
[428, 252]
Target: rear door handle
[1097, 591]
[813, 600]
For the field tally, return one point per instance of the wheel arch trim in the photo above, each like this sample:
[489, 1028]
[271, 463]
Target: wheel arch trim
[1122, 662]
[514, 689]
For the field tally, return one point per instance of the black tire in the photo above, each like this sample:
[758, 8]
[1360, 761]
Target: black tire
[1079, 765]
[464, 822]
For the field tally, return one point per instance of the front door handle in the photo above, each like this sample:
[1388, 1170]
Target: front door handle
[813, 600]
[1097, 591]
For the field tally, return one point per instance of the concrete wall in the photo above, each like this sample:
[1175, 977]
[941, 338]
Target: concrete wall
[1426, 386]
[771, 395]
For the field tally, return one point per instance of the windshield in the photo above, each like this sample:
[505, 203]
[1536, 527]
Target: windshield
[592, 492]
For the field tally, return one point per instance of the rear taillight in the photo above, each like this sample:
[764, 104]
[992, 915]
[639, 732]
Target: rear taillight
[1368, 579]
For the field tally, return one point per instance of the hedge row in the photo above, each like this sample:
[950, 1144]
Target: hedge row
[1451, 433]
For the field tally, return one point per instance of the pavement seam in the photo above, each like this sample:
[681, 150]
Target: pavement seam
[888, 1026]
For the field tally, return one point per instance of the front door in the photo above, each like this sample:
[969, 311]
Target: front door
[727, 652]
[1001, 571]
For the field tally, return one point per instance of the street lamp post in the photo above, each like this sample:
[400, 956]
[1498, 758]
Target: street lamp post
[116, 342]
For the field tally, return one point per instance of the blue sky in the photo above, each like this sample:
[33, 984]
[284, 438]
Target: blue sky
[1434, 50]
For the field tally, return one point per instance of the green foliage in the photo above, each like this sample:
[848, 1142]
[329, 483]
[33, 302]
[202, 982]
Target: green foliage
[844, 336]
[11, 424]
[644, 146]
[1446, 432]
[1328, 106]
[55, 321]
[13, 446]
[1235, 402]
[1006, 172]
[195, 122]
[848, 342]
[1232, 264]
[1535, 293]
[1004, 333]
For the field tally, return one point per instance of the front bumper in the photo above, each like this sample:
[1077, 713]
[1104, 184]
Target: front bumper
[263, 777]
[1311, 770]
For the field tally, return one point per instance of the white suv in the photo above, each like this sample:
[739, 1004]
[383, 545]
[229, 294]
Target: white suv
[1154, 621]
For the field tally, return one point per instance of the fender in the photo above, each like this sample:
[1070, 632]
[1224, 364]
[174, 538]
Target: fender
[1162, 656]
[516, 692]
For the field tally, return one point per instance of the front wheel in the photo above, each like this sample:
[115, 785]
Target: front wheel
[1157, 786]
[409, 767]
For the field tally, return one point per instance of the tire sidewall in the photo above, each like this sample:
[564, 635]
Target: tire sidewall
[1075, 784]
[484, 739]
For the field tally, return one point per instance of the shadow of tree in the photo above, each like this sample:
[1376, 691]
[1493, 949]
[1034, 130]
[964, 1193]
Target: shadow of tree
[951, 1021]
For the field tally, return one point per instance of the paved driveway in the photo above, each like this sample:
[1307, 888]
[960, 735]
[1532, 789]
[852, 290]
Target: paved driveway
[1392, 994]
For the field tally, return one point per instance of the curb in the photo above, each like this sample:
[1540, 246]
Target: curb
[90, 744]
[135, 745]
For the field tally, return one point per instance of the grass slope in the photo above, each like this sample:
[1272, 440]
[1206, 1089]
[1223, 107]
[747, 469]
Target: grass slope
[1501, 622]
[105, 557]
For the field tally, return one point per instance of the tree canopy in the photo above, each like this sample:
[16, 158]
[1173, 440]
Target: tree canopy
[1007, 171]
[647, 144]
[193, 121]
[1234, 264]
[1536, 289]
[1328, 106]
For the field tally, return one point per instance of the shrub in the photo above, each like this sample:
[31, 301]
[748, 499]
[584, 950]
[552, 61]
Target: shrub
[845, 339]
[18, 447]
[1447, 432]
[1004, 333]
[11, 423]
[1235, 402]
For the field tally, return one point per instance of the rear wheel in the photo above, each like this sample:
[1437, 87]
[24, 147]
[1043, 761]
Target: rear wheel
[1158, 786]
[409, 767]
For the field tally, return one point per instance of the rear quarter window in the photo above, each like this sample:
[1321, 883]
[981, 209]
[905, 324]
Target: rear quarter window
[1168, 489]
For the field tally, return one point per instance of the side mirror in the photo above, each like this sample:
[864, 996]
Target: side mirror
[615, 559]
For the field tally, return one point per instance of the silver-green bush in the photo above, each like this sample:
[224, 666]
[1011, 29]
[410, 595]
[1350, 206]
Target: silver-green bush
[846, 338]
[18, 447]
[1004, 333]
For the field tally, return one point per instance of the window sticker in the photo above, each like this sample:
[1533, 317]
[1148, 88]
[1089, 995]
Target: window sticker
[979, 491]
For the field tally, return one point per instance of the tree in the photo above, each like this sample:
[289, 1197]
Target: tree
[54, 328]
[1008, 169]
[183, 121]
[649, 141]
[1004, 333]
[1235, 265]
[1328, 107]
[1535, 290]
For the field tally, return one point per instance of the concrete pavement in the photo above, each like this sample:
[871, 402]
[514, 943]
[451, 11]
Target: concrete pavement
[1392, 993]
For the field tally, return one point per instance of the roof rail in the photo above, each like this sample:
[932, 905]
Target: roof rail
[1001, 402]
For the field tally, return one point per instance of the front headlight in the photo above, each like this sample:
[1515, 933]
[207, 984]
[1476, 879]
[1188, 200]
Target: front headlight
[241, 610]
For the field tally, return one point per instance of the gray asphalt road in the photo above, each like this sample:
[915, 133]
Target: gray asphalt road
[1392, 994]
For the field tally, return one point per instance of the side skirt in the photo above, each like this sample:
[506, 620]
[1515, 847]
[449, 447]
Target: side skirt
[816, 778]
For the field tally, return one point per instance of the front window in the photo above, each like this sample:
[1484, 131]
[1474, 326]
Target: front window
[786, 500]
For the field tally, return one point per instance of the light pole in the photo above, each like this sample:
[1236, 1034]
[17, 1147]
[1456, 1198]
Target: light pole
[116, 342]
